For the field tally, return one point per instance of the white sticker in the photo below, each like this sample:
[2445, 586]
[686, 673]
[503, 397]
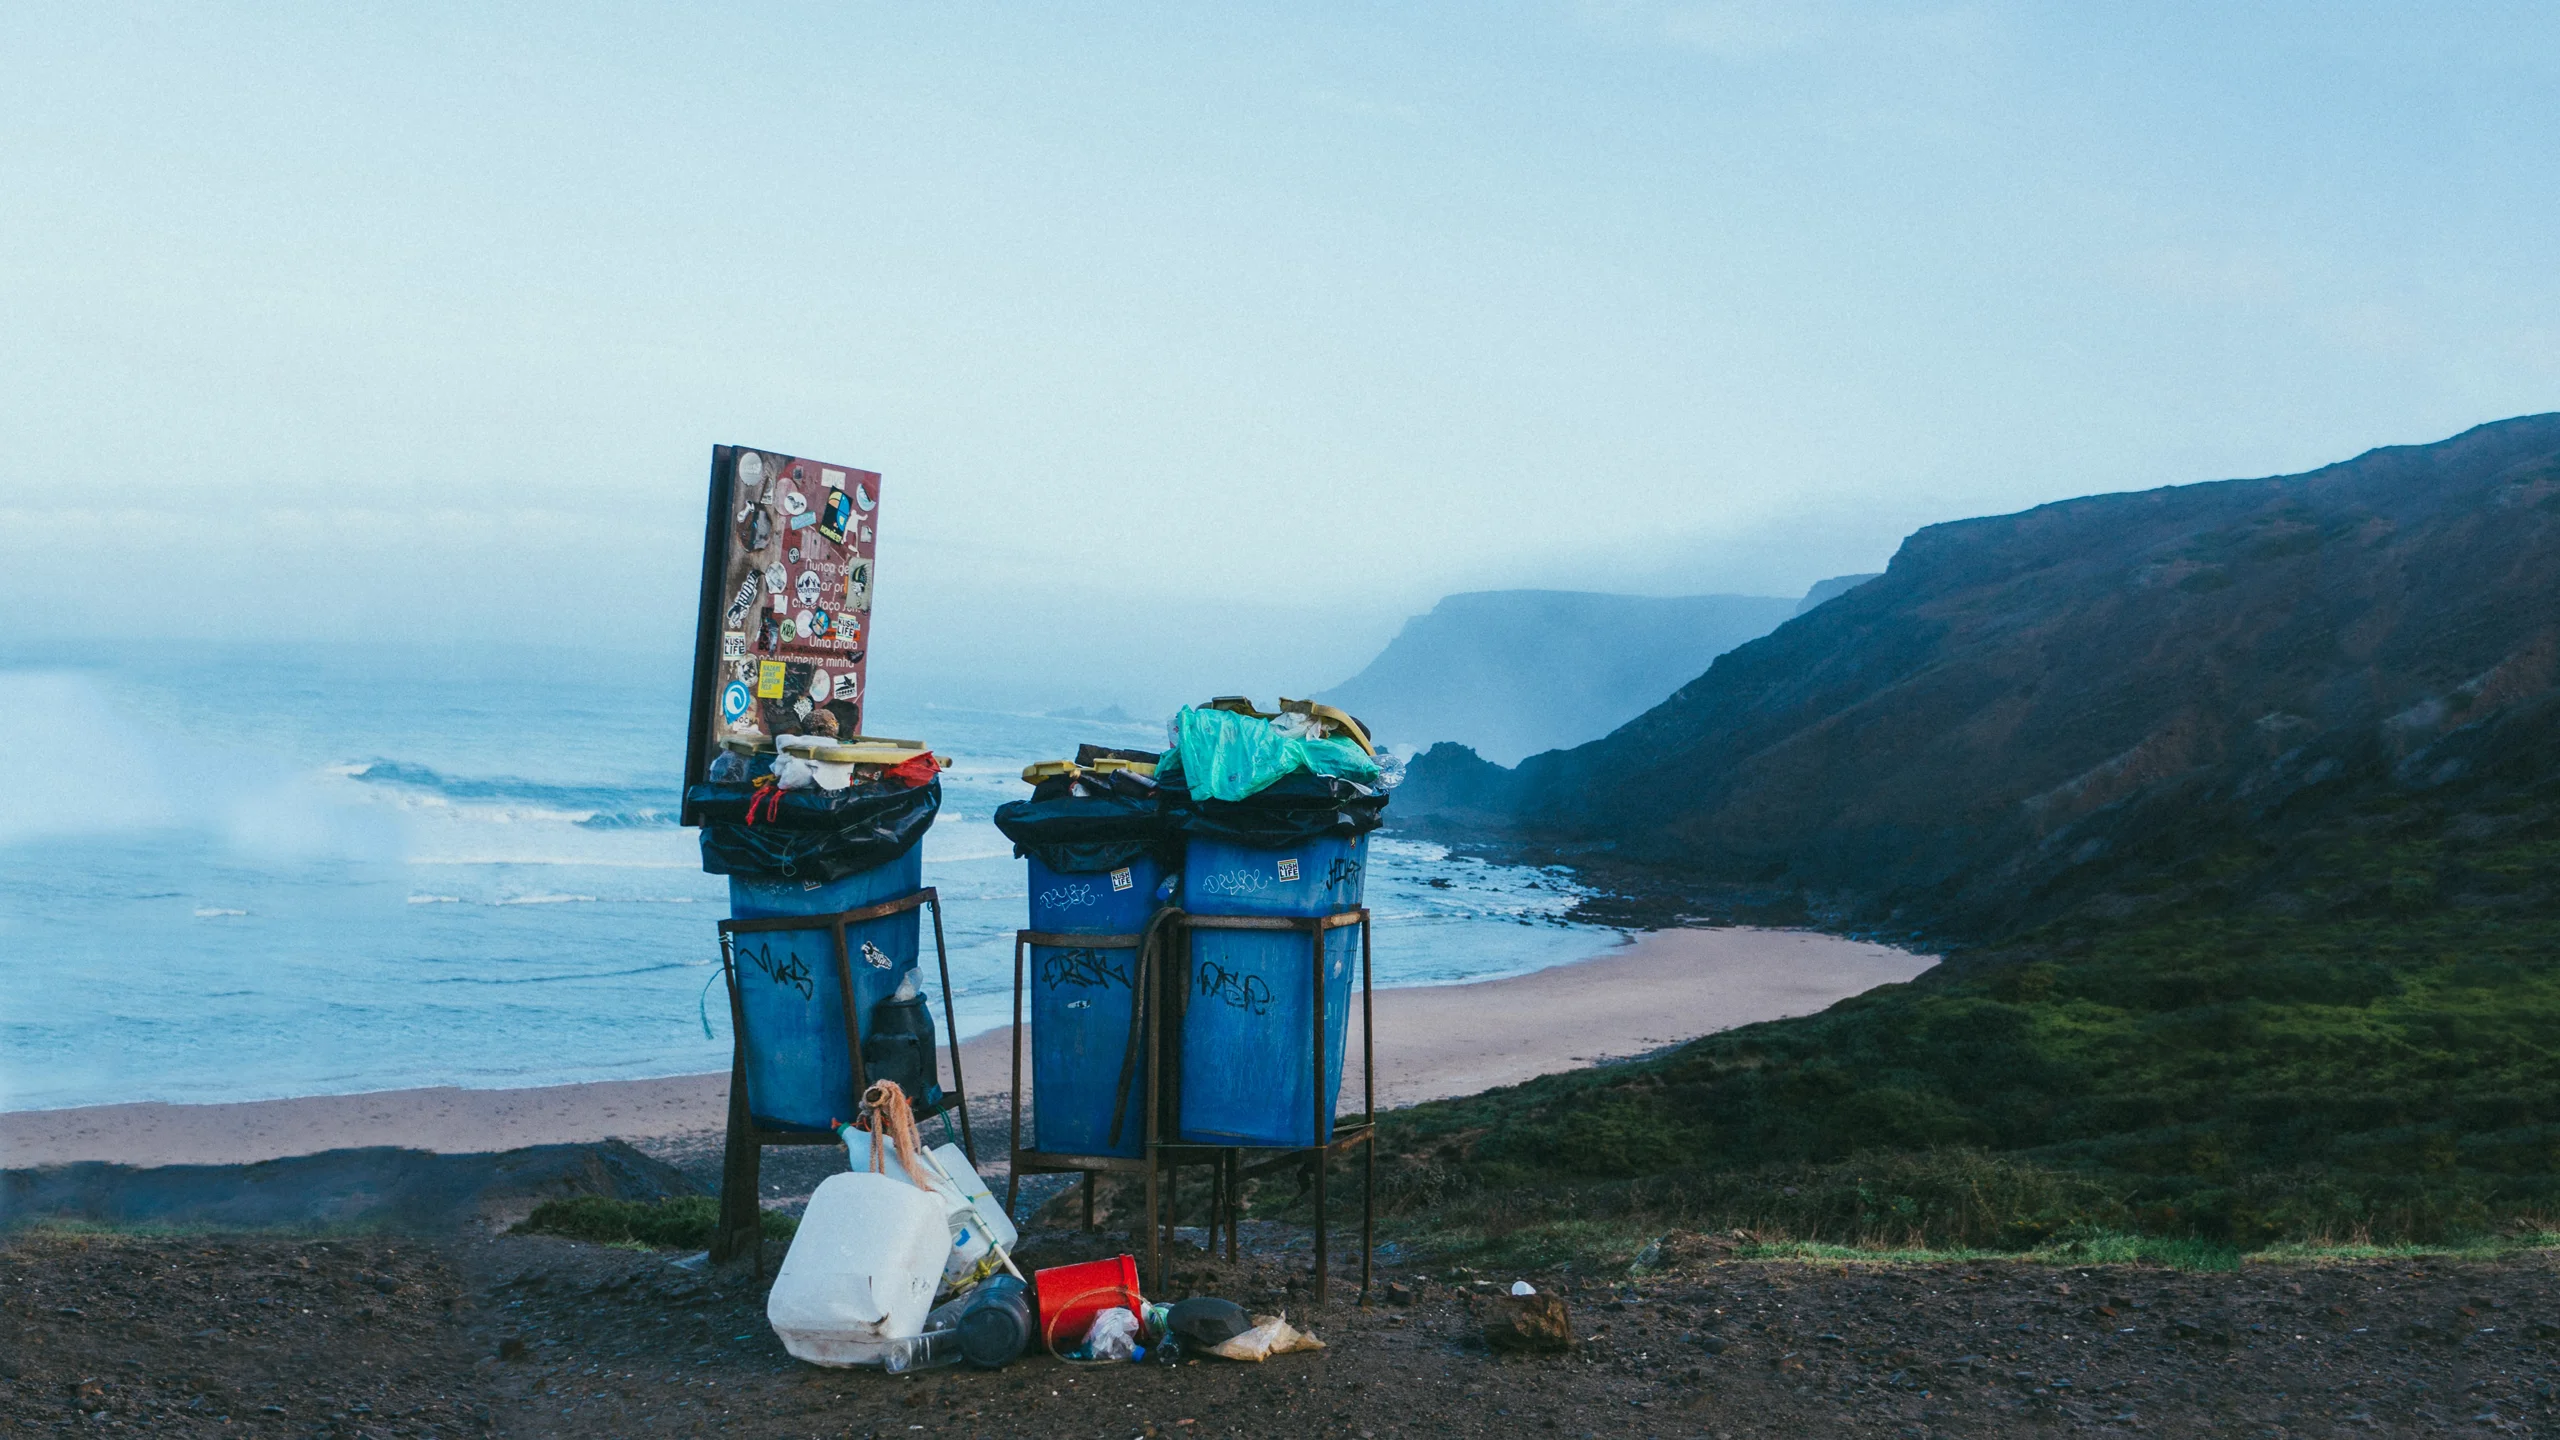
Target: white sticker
[873, 956]
[818, 687]
[1289, 869]
[733, 644]
[864, 501]
[1120, 879]
[781, 603]
[750, 469]
[775, 577]
[746, 670]
[832, 479]
[810, 587]
[793, 503]
[800, 623]
[848, 687]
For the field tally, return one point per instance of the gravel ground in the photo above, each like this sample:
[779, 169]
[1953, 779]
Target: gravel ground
[527, 1336]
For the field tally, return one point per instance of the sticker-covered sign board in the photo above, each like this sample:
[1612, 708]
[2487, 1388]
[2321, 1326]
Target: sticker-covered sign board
[788, 555]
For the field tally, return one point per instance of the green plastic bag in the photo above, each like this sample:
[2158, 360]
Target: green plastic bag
[1227, 756]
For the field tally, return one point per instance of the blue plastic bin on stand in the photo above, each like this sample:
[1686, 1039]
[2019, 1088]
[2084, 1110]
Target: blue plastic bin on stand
[1247, 1022]
[1082, 1000]
[790, 1000]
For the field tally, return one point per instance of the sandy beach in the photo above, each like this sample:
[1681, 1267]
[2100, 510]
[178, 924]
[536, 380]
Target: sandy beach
[1666, 987]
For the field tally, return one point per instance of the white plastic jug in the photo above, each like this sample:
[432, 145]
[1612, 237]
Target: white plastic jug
[964, 1178]
[861, 1271]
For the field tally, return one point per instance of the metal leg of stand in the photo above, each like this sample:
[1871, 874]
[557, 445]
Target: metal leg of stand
[1235, 1200]
[1013, 1153]
[1316, 1084]
[1155, 1249]
[741, 1217]
[1368, 1104]
[951, 1027]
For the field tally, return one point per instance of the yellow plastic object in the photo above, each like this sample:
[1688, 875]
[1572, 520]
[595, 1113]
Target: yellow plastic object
[867, 752]
[750, 743]
[1038, 771]
[1341, 721]
[910, 746]
[1109, 763]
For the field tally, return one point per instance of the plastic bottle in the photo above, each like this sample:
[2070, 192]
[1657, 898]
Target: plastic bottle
[929, 1351]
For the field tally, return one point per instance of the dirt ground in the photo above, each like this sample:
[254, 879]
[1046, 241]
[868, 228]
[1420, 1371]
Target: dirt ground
[525, 1336]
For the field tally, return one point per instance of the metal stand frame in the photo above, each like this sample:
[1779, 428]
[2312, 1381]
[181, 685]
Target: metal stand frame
[1154, 1161]
[1316, 1158]
[741, 1225]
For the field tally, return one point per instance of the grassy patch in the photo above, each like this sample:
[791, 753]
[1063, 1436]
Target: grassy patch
[2365, 1063]
[684, 1223]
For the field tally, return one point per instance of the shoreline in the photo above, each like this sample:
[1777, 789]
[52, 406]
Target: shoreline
[1663, 988]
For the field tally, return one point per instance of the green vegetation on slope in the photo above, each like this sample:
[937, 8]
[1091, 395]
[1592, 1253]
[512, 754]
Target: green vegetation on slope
[2373, 1057]
[683, 1223]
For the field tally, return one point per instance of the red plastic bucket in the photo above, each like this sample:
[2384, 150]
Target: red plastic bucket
[1071, 1295]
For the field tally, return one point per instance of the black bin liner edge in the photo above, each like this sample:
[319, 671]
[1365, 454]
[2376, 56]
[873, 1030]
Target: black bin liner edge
[817, 835]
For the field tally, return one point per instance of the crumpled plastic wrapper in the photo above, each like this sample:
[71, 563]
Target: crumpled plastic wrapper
[1271, 1335]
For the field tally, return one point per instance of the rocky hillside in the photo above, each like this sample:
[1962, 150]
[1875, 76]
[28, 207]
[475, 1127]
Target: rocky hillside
[1513, 672]
[2062, 710]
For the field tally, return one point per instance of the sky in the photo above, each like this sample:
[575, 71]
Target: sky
[1202, 344]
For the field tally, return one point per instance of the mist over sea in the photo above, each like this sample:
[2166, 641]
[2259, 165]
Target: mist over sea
[234, 873]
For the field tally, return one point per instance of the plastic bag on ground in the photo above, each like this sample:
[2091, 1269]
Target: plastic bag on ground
[1114, 1336]
[861, 1272]
[1271, 1335]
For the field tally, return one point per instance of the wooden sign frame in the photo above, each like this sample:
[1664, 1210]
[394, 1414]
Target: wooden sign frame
[790, 562]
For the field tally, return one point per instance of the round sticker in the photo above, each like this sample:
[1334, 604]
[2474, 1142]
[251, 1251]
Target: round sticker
[810, 587]
[862, 498]
[818, 685]
[794, 503]
[820, 622]
[750, 468]
[734, 701]
[789, 632]
[800, 624]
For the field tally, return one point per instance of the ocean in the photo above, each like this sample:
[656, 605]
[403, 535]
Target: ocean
[244, 872]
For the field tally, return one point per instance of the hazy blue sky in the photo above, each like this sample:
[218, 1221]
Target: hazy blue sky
[1230, 332]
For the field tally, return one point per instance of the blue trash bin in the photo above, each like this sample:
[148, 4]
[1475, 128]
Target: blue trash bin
[1082, 1000]
[1247, 1017]
[790, 1000]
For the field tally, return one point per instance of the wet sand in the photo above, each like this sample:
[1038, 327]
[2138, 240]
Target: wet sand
[1433, 1041]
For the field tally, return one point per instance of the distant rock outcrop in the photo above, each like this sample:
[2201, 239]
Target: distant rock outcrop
[2036, 712]
[1833, 588]
[1512, 672]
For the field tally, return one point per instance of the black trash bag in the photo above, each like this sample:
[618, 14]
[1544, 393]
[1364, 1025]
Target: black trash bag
[1205, 1322]
[1086, 834]
[1292, 810]
[901, 1048]
[812, 834]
